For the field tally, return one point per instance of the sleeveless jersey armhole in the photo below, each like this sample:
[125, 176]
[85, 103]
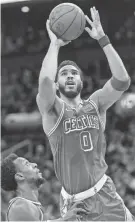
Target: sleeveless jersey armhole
[57, 122]
[96, 108]
[11, 202]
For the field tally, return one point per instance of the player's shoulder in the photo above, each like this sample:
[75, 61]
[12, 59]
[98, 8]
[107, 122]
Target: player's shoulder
[22, 210]
[19, 204]
[95, 96]
[50, 108]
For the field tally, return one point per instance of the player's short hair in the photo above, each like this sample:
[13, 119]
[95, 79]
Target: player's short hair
[67, 62]
[8, 171]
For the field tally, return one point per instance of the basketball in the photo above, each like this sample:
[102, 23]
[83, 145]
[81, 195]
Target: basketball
[67, 21]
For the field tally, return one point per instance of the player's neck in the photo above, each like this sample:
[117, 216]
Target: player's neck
[72, 102]
[28, 193]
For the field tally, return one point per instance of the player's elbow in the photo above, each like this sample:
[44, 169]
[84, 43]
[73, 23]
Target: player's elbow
[129, 80]
[120, 85]
[126, 83]
[126, 77]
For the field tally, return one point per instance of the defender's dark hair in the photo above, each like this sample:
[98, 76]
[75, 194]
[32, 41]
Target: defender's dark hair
[8, 172]
[67, 62]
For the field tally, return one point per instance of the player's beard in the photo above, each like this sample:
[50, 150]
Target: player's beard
[40, 181]
[37, 182]
[70, 94]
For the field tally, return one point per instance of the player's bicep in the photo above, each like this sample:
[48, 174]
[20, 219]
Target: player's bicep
[110, 93]
[46, 95]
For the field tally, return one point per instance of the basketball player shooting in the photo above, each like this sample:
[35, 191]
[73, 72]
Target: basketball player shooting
[75, 127]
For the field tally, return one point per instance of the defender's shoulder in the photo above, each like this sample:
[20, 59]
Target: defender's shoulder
[22, 210]
[21, 204]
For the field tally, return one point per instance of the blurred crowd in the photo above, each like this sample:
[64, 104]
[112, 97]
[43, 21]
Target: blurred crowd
[33, 40]
[19, 89]
[126, 33]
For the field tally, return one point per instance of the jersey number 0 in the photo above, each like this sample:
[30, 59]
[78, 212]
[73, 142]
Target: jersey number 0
[86, 141]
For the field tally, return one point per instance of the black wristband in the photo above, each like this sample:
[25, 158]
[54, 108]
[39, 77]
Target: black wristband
[120, 85]
[104, 41]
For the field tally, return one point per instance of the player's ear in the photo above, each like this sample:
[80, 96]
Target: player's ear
[19, 177]
[82, 84]
[57, 86]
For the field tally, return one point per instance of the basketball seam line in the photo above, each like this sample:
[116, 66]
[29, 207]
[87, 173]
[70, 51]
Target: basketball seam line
[80, 27]
[62, 15]
[70, 24]
[81, 22]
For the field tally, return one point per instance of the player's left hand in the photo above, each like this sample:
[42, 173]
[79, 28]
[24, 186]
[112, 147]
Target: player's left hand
[75, 211]
[53, 37]
[96, 31]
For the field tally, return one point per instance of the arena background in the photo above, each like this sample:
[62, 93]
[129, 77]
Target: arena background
[24, 42]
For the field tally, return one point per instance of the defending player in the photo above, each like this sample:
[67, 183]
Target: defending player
[75, 128]
[18, 174]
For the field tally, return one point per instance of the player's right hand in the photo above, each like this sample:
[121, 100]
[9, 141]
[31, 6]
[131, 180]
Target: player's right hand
[53, 37]
[75, 211]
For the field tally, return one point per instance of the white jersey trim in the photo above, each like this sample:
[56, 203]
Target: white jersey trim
[58, 121]
[95, 106]
[38, 203]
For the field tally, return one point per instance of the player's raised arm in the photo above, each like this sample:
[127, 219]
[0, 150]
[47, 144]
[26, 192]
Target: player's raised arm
[46, 90]
[120, 80]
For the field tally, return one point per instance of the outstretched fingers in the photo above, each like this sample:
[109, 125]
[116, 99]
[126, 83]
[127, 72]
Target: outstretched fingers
[96, 13]
[48, 25]
[89, 20]
[95, 10]
[92, 11]
[88, 30]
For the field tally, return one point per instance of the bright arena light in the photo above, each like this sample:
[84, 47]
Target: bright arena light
[12, 1]
[25, 9]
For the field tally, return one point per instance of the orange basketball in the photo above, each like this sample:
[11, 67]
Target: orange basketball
[67, 21]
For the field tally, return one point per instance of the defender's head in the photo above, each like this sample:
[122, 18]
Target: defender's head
[69, 79]
[16, 171]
